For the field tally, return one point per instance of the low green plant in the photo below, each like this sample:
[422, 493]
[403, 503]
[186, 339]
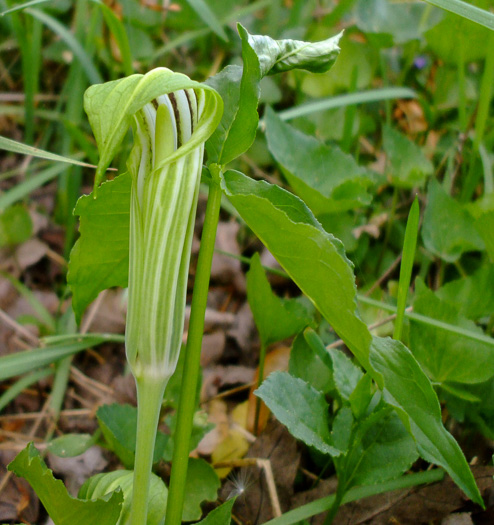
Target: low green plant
[136, 231]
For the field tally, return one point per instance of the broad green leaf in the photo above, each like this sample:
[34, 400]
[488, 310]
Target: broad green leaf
[23, 149]
[119, 426]
[277, 56]
[239, 87]
[301, 408]
[408, 166]
[446, 356]
[346, 374]
[404, 21]
[484, 224]
[453, 31]
[408, 389]
[327, 179]
[111, 107]
[361, 396]
[105, 483]
[306, 364]
[100, 257]
[468, 11]
[63, 508]
[220, 516]
[275, 318]
[472, 296]
[384, 449]
[70, 445]
[308, 253]
[16, 225]
[202, 484]
[448, 230]
[341, 432]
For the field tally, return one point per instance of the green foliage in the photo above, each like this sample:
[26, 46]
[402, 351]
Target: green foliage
[63, 508]
[408, 390]
[445, 356]
[301, 408]
[220, 516]
[275, 318]
[15, 226]
[118, 424]
[408, 166]
[202, 484]
[70, 445]
[100, 257]
[327, 179]
[448, 229]
[267, 210]
[100, 485]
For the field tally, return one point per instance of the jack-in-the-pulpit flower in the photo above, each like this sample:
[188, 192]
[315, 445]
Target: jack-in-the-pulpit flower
[166, 165]
[171, 117]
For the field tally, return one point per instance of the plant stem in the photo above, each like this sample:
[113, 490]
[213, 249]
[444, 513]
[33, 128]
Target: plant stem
[193, 354]
[321, 505]
[150, 392]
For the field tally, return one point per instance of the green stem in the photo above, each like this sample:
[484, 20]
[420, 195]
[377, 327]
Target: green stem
[150, 392]
[323, 504]
[193, 354]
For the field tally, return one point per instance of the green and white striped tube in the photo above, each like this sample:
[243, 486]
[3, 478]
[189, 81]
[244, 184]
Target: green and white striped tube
[166, 166]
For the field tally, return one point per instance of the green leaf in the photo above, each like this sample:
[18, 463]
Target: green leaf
[446, 356]
[219, 516]
[63, 508]
[119, 426]
[341, 432]
[16, 225]
[384, 449]
[21, 362]
[23, 149]
[308, 253]
[484, 224]
[306, 364]
[100, 257]
[207, 16]
[403, 21]
[472, 296]
[239, 87]
[202, 484]
[301, 408]
[105, 483]
[448, 230]
[275, 318]
[408, 389]
[468, 11]
[111, 107]
[408, 257]
[408, 166]
[278, 56]
[70, 445]
[361, 396]
[327, 179]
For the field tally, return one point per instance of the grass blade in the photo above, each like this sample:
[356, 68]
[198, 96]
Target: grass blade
[20, 7]
[408, 256]
[29, 360]
[207, 16]
[87, 64]
[14, 390]
[362, 97]
[468, 11]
